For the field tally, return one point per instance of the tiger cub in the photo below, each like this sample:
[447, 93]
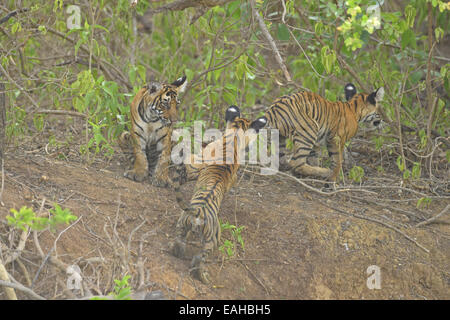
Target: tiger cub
[200, 217]
[310, 120]
[153, 112]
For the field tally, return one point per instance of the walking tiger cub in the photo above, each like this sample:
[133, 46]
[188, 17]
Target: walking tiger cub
[200, 216]
[153, 111]
[310, 120]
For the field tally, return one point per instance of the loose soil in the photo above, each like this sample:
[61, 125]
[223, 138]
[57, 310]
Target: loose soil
[296, 245]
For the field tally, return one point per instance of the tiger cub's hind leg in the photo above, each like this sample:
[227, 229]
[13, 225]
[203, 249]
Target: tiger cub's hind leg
[313, 158]
[298, 163]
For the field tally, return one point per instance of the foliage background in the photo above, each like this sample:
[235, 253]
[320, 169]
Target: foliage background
[67, 99]
[89, 75]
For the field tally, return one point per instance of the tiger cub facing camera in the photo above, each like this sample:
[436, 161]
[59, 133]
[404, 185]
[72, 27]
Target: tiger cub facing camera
[152, 113]
[200, 217]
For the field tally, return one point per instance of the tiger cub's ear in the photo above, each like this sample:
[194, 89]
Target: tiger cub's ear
[258, 123]
[232, 113]
[180, 83]
[376, 96]
[350, 91]
[154, 87]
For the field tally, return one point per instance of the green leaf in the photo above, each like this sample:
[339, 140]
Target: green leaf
[410, 13]
[416, 170]
[408, 39]
[318, 28]
[283, 32]
[400, 163]
[16, 27]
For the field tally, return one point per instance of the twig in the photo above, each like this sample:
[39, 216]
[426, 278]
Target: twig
[179, 5]
[432, 219]
[2, 135]
[196, 79]
[12, 14]
[19, 87]
[135, 36]
[298, 43]
[378, 203]
[270, 40]
[140, 262]
[3, 183]
[20, 246]
[76, 60]
[131, 236]
[312, 188]
[397, 115]
[20, 287]
[376, 221]
[62, 112]
[62, 232]
[429, 127]
[53, 259]
[256, 278]
[24, 271]
[341, 60]
[430, 54]
[99, 61]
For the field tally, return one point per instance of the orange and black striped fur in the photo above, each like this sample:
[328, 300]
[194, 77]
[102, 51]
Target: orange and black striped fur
[153, 112]
[200, 217]
[310, 120]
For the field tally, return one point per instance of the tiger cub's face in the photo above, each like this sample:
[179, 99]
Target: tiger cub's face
[162, 100]
[368, 111]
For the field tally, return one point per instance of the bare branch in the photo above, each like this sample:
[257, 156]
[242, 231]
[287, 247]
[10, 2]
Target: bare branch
[2, 136]
[20, 287]
[62, 112]
[179, 5]
[432, 219]
[12, 14]
[270, 40]
[33, 102]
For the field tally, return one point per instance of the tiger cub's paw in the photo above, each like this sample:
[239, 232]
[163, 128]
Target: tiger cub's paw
[136, 176]
[203, 276]
[178, 249]
[199, 271]
[160, 182]
[124, 140]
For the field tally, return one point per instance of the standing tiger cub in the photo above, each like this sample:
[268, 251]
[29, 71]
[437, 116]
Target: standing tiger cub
[200, 217]
[153, 112]
[310, 120]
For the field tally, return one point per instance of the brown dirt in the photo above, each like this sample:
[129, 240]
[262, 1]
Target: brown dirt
[295, 247]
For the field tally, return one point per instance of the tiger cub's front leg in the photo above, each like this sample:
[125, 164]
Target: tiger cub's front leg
[161, 172]
[178, 248]
[198, 268]
[140, 168]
